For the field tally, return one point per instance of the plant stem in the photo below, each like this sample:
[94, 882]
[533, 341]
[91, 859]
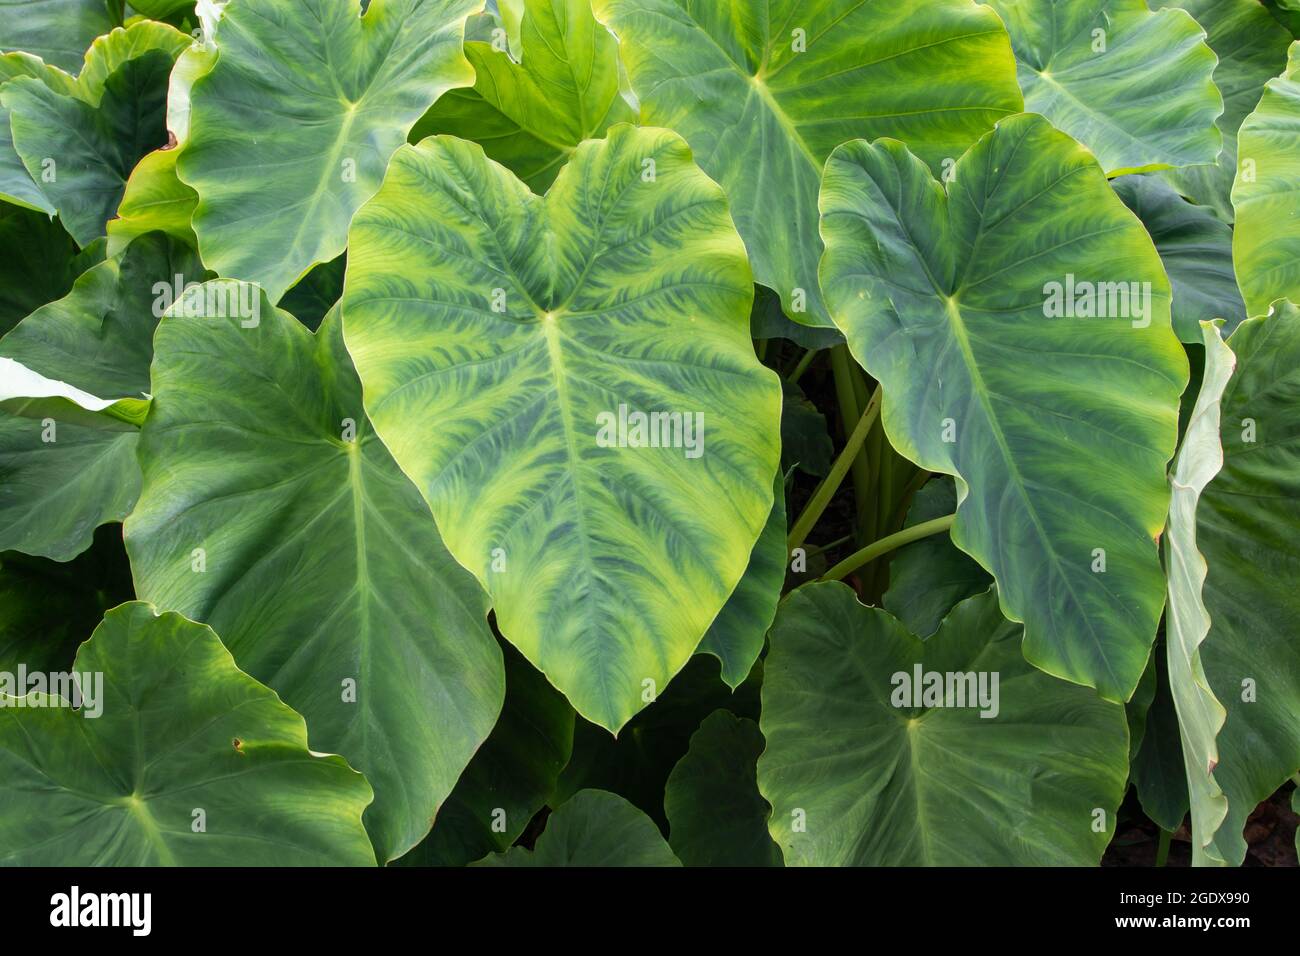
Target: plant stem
[887, 544]
[831, 483]
[1162, 850]
[760, 348]
[826, 547]
[879, 578]
[869, 512]
[847, 391]
[802, 367]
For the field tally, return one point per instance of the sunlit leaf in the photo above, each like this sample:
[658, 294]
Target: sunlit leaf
[1266, 195]
[1200, 715]
[530, 115]
[505, 339]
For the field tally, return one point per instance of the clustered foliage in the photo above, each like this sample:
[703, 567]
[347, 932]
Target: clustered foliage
[646, 432]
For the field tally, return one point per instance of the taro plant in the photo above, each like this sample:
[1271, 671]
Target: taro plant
[648, 432]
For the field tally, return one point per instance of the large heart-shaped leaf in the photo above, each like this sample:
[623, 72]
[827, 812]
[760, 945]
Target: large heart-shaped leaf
[715, 814]
[1251, 47]
[189, 762]
[513, 349]
[593, 829]
[271, 510]
[530, 115]
[1196, 249]
[1266, 195]
[1058, 428]
[291, 128]
[58, 31]
[1133, 85]
[80, 144]
[73, 382]
[1200, 715]
[867, 765]
[1247, 523]
[764, 92]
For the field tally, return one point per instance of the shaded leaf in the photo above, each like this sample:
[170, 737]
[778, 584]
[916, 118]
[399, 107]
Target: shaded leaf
[1132, 85]
[1247, 523]
[181, 730]
[636, 764]
[47, 608]
[593, 829]
[510, 778]
[1251, 48]
[316, 293]
[736, 635]
[1158, 771]
[715, 813]
[38, 263]
[1196, 249]
[1058, 428]
[75, 376]
[764, 92]
[854, 779]
[291, 128]
[805, 437]
[58, 31]
[271, 510]
[928, 578]
[80, 145]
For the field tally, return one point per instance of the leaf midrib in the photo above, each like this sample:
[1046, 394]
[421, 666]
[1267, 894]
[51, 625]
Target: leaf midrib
[958, 326]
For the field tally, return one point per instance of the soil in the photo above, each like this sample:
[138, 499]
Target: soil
[1270, 838]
